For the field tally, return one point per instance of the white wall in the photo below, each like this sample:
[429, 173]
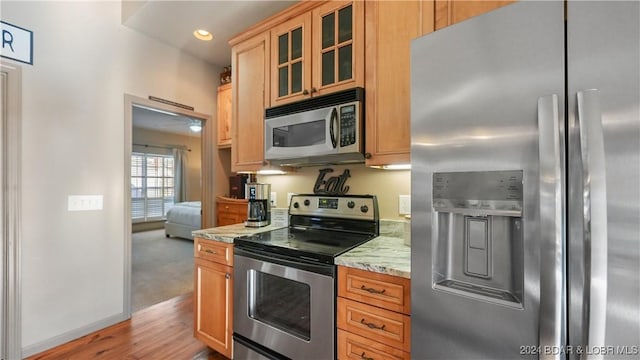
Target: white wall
[73, 143]
[385, 184]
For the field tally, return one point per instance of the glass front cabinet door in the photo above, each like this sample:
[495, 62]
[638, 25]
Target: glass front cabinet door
[318, 52]
[291, 60]
[338, 46]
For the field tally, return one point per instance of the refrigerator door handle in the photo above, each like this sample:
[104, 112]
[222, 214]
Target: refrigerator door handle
[551, 331]
[594, 192]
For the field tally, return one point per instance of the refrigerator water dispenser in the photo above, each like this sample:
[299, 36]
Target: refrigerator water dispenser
[478, 243]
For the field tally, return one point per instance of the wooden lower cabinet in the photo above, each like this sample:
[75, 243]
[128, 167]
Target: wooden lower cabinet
[213, 297]
[230, 211]
[352, 346]
[373, 315]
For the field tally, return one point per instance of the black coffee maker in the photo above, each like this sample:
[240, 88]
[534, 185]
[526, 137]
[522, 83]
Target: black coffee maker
[259, 204]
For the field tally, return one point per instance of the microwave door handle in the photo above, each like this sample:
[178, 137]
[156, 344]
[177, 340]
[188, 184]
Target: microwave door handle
[332, 126]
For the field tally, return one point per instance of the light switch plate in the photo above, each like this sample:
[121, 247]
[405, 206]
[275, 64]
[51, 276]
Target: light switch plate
[274, 199]
[404, 204]
[84, 202]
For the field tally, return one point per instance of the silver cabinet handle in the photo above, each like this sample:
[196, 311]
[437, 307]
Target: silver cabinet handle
[594, 193]
[552, 263]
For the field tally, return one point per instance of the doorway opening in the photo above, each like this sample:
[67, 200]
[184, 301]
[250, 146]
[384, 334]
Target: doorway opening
[165, 174]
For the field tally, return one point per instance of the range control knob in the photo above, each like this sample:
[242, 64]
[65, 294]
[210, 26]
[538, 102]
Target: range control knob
[296, 205]
[351, 204]
[307, 202]
[364, 208]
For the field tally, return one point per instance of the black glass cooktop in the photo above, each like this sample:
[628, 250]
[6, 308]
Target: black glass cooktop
[309, 244]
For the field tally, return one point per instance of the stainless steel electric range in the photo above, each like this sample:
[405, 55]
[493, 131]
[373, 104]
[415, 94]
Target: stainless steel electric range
[285, 279]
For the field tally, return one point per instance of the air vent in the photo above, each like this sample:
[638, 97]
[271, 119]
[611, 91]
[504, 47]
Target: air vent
[355, 94]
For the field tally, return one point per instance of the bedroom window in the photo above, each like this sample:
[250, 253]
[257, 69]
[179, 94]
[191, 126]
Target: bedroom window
[151, 186]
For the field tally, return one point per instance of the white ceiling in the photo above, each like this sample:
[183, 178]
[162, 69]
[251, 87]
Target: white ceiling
[173, 22]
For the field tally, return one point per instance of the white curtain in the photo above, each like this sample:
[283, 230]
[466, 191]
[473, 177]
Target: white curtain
[180, 181]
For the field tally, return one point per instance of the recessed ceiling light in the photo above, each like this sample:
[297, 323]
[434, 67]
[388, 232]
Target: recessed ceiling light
[203, 35]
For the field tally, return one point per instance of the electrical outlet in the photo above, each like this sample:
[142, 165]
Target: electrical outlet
[84, 202]
[274, 199]
[404, 204]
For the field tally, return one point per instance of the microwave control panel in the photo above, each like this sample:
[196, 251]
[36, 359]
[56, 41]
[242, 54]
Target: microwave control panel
[347, 125]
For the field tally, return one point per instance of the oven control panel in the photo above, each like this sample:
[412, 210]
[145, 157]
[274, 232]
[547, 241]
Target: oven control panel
[348, 207]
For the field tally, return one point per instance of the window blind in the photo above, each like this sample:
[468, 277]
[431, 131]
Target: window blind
[152, 193]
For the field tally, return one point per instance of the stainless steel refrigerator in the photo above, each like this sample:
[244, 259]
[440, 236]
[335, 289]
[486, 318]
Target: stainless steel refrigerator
[525, 183]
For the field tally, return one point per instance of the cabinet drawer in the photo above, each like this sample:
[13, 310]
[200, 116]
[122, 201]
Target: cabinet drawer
[386, 291]
[352, 346]
[380, 325]
[215, 251]
[226, 219]
[232, 208]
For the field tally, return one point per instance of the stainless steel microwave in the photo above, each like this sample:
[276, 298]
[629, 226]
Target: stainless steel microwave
[327, 129]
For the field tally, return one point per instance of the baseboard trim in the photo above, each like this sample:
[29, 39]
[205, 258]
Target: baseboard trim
[147, 226]
[72, 335]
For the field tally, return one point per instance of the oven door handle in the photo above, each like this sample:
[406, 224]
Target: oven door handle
[323, 269]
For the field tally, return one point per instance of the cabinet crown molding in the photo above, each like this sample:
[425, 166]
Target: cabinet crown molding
[282, 16]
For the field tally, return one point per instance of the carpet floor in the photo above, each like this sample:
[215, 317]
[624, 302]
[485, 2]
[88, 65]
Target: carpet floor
[162, 268]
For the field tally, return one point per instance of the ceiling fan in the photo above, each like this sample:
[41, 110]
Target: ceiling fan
[165, 121]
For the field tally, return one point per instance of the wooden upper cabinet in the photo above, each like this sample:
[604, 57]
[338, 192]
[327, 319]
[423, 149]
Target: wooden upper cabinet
[390, 27]
[449, 12]
[338, 46]
[224, 116]
[318, 52]
[250, 73]
[291, 60]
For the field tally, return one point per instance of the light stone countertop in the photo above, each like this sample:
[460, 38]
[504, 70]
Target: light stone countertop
[386, 254]
[227, 233]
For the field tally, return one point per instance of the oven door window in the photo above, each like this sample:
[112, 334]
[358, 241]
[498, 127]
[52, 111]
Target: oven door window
[299, 135]
[279, 302]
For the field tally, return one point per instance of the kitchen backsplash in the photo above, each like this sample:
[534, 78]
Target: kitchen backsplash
[385, 184]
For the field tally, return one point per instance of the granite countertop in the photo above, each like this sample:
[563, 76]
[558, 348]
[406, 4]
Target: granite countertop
[227, 233]
[386, 254]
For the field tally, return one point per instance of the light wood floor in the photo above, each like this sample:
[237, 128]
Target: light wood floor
[162, 331]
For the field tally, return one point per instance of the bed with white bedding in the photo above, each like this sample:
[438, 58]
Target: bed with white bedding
[182, 219]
